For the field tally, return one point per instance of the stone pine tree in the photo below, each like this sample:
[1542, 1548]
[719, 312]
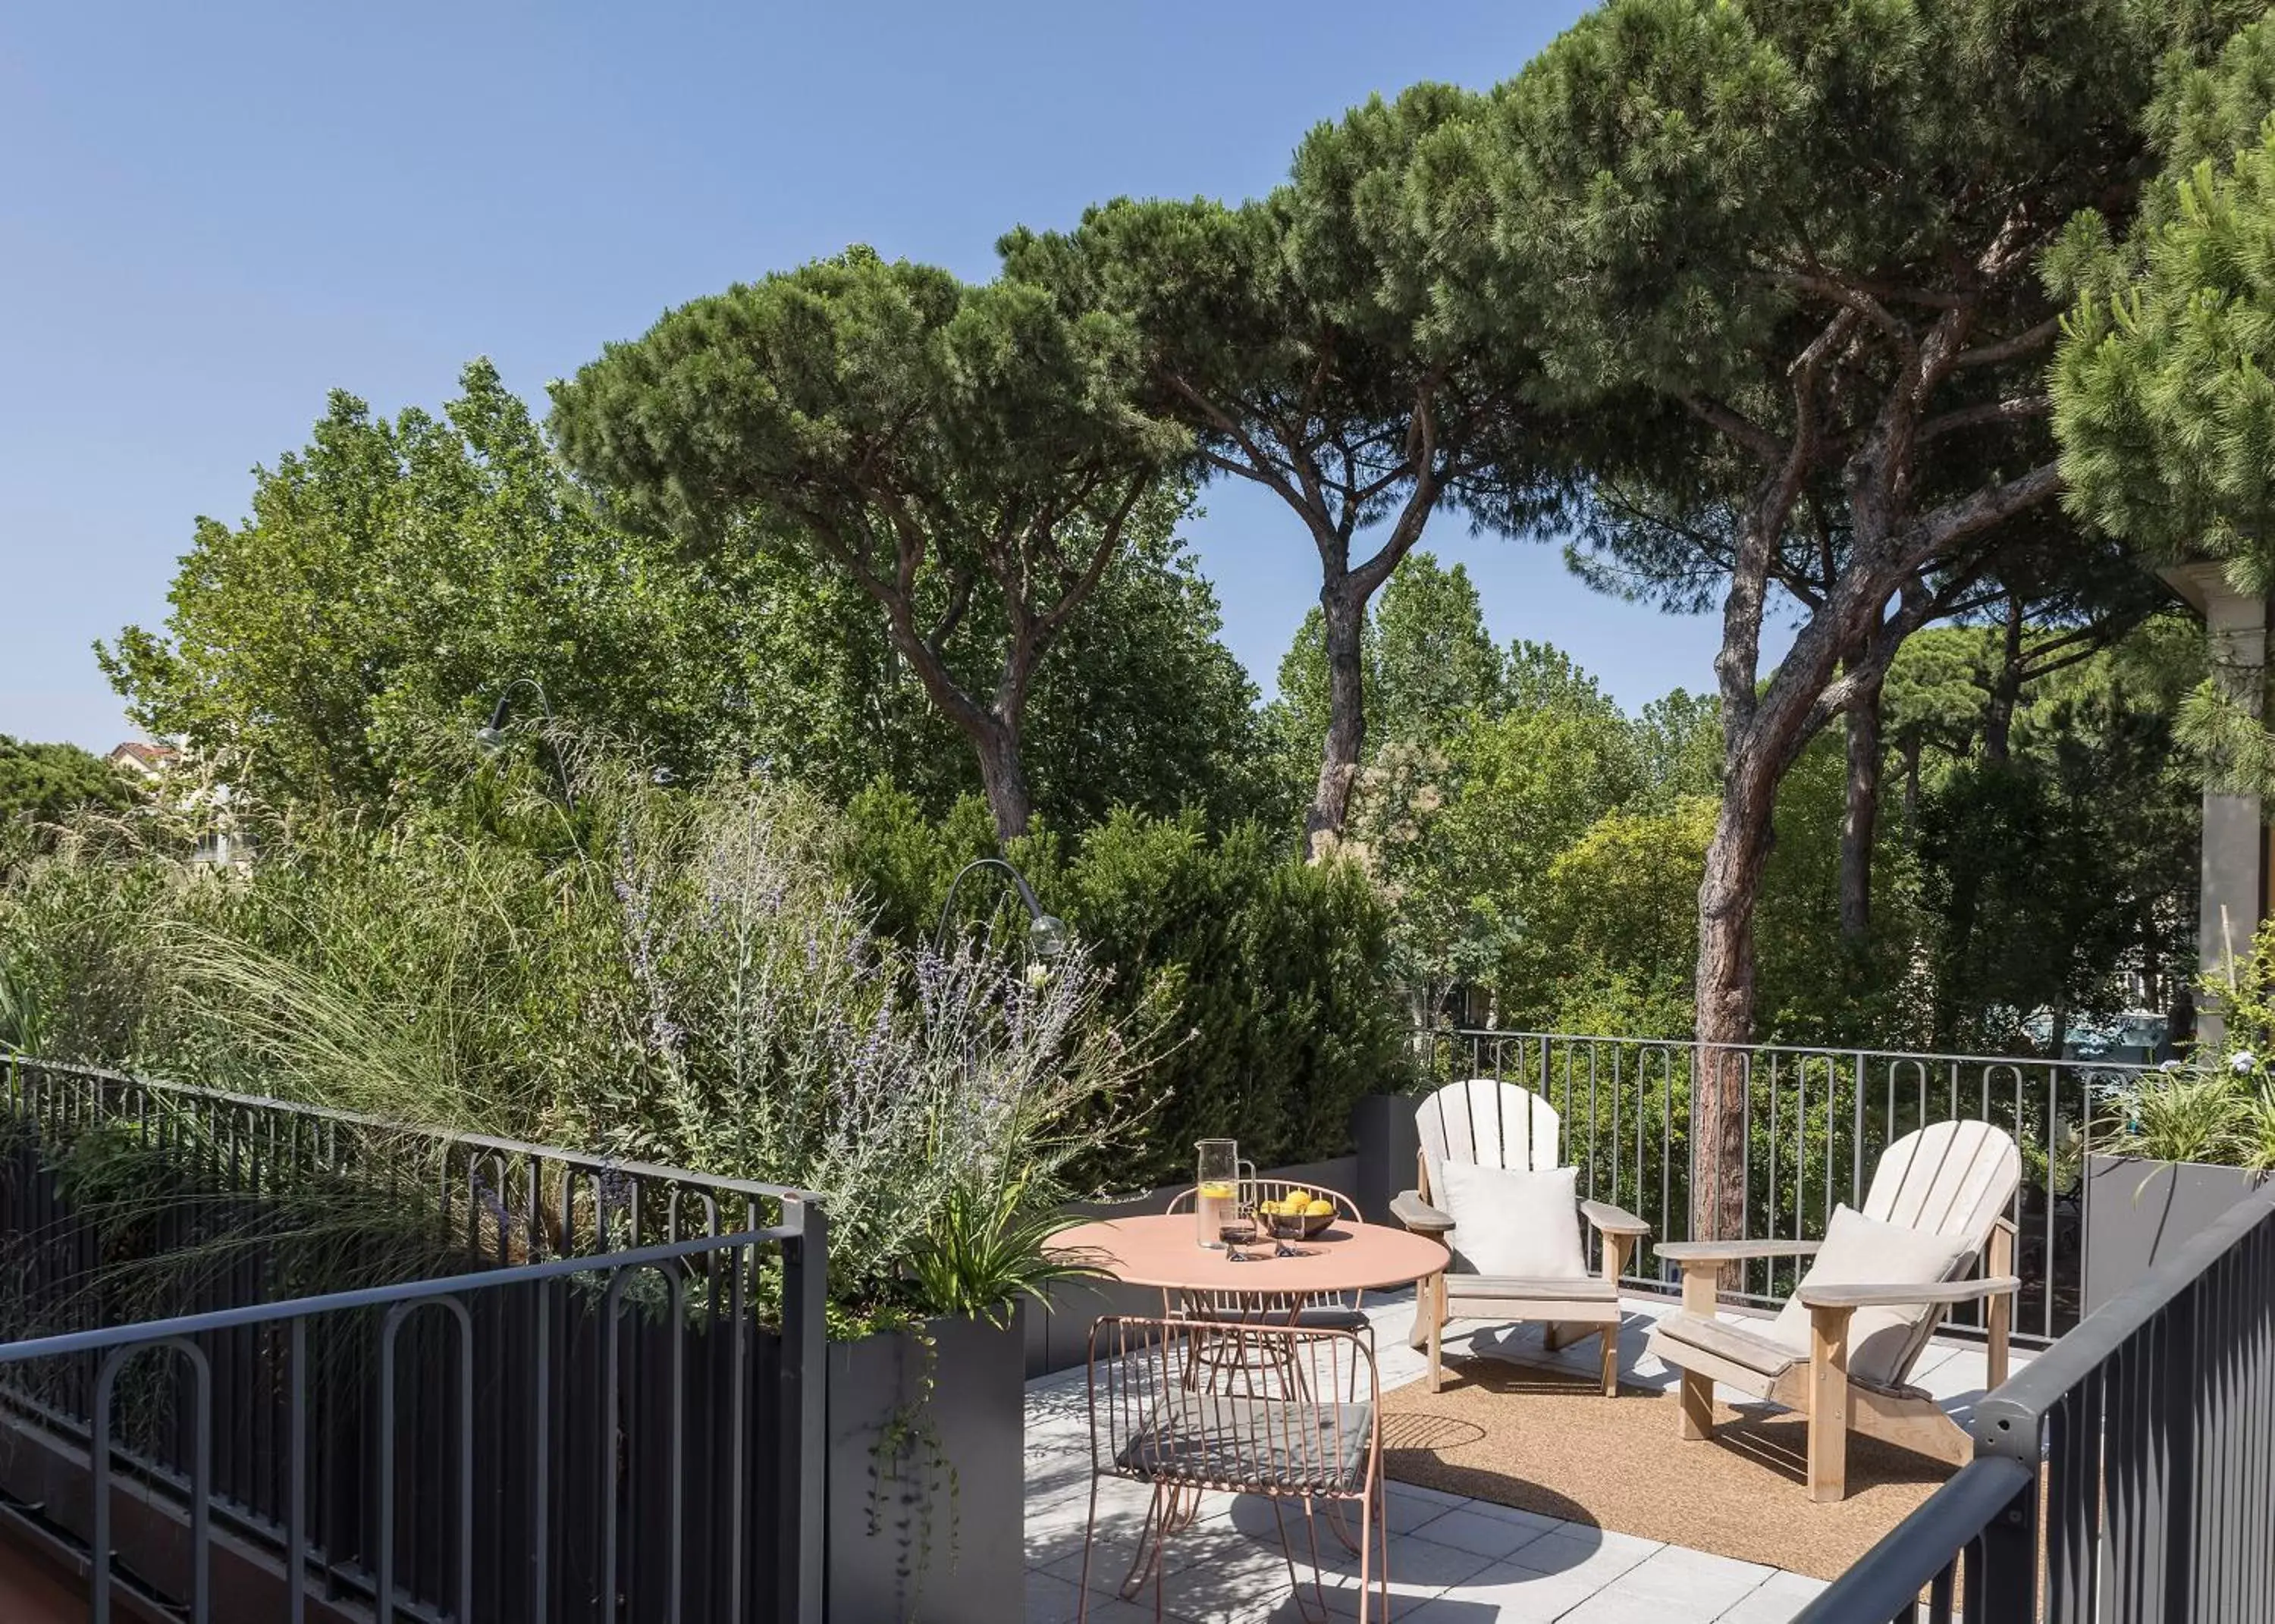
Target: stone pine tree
[1291, 339]
[972, 458]
[2165, 386]
[1816, 228]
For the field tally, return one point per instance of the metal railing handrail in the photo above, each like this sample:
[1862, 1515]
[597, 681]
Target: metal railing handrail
[10, 1057]
[1786, 1048]
[1885, 1581]
[1996, 1495]
[2049, 1377]
[381, 1296]
[253, 1388]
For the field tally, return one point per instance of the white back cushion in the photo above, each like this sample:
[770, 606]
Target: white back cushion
[1864, 1252]
[1510, 1222]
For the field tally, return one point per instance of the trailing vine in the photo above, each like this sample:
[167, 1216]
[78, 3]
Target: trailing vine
[910, 1438]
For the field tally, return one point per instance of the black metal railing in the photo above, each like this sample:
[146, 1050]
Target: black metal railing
[542, 1385]
[2124, 1476]
[1816, 1120]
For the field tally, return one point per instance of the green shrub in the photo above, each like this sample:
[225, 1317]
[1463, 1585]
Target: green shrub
[1269, 976]
[677, 976]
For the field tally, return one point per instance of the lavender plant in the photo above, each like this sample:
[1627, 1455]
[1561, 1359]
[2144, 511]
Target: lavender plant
[935, 1099]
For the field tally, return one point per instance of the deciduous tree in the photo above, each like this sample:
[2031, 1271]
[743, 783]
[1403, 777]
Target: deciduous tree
[392, 574]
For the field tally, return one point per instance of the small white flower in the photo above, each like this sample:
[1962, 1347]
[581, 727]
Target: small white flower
[2242, 1062]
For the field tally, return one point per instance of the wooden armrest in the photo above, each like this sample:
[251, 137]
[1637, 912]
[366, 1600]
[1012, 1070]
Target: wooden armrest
[1410, 1208]
[1905, 1297]
[1734, 1252]
[1609, 1219]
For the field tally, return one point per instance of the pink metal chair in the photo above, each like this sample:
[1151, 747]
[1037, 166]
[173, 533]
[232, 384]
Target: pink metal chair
[1304, 1426]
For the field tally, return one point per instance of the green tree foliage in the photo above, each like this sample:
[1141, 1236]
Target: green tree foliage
[2160, 389]
[1294, 340]
[1813, 228]
[1679, 736]
[392, 576]
[2161, 393]
[1269, 977]
[1141, 703]
[971, 459]
[40, 784]
[1618, 905]
[1426, 661]
[2052, 875]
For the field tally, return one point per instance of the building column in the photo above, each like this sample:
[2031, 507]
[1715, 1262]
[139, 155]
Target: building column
[2232, 895]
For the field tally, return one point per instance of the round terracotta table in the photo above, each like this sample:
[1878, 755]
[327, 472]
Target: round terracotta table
[1164, 1252]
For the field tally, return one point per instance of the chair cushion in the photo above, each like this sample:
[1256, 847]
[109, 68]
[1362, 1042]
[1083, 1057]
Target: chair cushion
[1213, 1437]
[1864, 1252]
[1514, 1224]
[1310, 1316]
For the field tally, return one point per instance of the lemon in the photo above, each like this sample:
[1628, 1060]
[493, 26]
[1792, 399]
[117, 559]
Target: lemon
[1217, 1189]
[1319, 1208]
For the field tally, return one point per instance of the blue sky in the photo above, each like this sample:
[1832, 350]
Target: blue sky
[211, 215]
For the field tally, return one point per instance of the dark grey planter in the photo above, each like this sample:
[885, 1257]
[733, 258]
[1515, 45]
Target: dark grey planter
[1382, 1127]
[2140, 1212]
[935, 1529]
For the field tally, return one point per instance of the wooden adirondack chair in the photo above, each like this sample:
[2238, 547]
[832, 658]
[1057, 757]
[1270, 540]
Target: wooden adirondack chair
[1491, 1124]
[1953, 1180]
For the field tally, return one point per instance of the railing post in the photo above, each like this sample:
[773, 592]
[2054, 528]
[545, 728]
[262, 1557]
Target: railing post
[2001, 1573]
[804, 1395]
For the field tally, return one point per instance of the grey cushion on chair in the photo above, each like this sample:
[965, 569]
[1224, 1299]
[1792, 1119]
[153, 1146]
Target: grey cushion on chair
[1215, 1437]
[1316, 1317]
[1864, 1252]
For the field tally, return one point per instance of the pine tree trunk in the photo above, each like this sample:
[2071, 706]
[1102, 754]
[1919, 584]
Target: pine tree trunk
[1860, 822]
[1344, 610]
[1003, 776]
[2005, 689]
[1725, 987]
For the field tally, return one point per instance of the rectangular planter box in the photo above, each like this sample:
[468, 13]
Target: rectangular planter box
[2139, 1212]
[946, 1495]
[1382, 1126]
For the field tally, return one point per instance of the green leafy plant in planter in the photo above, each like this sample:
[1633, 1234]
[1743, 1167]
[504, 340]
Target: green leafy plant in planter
[2217, 1107]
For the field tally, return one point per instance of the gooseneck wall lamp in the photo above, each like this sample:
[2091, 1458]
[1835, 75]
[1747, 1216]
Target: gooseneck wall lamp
[491, 736]
[1048, 935]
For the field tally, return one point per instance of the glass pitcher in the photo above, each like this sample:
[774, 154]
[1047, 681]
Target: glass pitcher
[1216, 1188]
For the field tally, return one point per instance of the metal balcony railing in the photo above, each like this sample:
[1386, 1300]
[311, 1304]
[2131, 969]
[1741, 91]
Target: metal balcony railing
[2126, 1476]
[555, 1386]
[1816, 1120]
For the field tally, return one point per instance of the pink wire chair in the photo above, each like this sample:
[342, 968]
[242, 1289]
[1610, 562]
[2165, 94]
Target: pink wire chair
[1305, 1427]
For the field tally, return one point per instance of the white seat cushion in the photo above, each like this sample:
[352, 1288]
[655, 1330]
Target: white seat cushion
[1864, 1252]
[1511, 1223]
